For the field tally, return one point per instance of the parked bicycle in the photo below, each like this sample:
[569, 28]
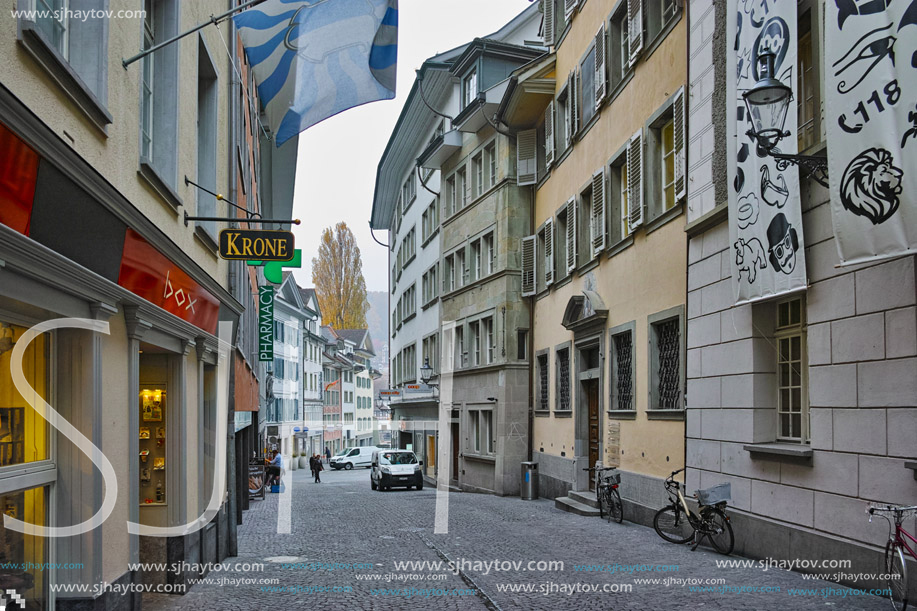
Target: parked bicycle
[895, 564]
[678, 523]
[606, 493]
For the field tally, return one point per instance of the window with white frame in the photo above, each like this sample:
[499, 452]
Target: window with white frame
[617, 196]
[562, 134]
[430, 284]
[477, 170]
[587, 86]
[461, 268]
[474, 334]
[469, 88]
[408, 192]
[489, 253]
[461, 352]
[462, 187]
[430, 351]
[808, 93]
[481, 422]
[448, 273]
[665, 157]
[207, 111]
[792, 400]
[451, 196]
[476, 260]
[618, 47]
[659, 14]
[487, 334]
[490, 155]
[159, 109]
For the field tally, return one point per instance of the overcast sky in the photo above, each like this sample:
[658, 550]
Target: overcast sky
[336, 172]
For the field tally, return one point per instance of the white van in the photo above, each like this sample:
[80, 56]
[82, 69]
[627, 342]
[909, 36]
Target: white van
[392, 468]
[349, 458]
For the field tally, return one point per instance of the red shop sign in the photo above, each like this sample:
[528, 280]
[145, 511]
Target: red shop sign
[147, 273]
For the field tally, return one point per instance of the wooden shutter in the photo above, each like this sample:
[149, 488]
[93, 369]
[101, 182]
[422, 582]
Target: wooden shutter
[598, 212]
[526, 162]
[549, 135]
[599, 66]
[574, 104]
[571, 234]
[568, 114]
[635, 179]
[635, 28]
[569, 7]
[528, 265]
[548, 24]
[678, 113]
[549, 252]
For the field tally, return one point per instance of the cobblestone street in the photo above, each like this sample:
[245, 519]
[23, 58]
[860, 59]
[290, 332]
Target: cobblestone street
[346, 540]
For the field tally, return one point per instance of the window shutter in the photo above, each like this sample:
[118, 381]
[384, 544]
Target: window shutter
[574, 104]
[569, 7]
[678, 112]
[635, 28]
[600, 66]
[526, 164]
[548, 24]
[528, 265]
[549, 252]
[571, 234]
[549, 135]
[568, 114]
[598, 211]
[635, 179]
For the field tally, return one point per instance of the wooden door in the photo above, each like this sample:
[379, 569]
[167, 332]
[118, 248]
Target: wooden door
[592, 397]
[455, 451]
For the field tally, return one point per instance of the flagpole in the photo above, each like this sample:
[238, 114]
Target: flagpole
[213, 20]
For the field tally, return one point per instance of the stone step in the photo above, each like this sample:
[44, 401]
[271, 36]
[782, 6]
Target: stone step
[586, 497]
[565, 503]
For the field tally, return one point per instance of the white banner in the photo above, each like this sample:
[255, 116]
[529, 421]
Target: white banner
[871, 110]
[765, 216]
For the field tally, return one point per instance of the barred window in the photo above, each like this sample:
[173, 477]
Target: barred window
[668, 379]
[563, 380]
[543, 382]
[622, 362]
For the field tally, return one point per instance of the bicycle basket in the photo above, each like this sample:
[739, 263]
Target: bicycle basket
[611, 480]
[714, 495]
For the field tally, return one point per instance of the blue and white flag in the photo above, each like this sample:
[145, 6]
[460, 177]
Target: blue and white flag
[315, 58]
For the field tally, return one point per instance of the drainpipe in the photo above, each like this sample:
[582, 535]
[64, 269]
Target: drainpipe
[687, 241]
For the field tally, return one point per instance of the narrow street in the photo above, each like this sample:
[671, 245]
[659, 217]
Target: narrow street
[346, 540]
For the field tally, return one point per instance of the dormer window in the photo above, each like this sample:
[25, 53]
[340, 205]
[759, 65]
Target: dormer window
[469, 88]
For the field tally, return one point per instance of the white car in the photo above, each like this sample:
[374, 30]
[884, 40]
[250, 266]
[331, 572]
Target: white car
[349, 458]
[392, 468]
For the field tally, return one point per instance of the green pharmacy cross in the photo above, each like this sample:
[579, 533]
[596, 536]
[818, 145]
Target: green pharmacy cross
[273, 270]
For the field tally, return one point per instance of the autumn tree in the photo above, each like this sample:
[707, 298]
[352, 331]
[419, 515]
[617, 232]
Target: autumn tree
[337, 274]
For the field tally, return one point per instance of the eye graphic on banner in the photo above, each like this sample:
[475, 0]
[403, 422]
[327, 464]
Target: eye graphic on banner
[871, 185]
[870, 90]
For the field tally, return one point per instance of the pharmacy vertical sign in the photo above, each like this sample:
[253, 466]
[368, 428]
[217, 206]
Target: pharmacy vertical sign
[266, 324]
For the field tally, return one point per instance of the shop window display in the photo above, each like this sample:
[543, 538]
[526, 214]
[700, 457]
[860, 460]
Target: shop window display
[153, 446]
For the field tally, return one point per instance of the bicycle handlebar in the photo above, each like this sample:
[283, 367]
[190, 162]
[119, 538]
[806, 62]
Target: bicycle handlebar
[890, 509]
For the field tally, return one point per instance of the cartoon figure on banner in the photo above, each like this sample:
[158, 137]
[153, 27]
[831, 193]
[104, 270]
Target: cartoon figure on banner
[774, 193]
[747, 210]
[864, 55]
[871, 185]
[846, 8]
[774, 38]
[750, 258]
[757, 10]
[783, 242]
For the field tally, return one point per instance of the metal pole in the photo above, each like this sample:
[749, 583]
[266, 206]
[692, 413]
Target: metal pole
[238, 220]
[213, 20]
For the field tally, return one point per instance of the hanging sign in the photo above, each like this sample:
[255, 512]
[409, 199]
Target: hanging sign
[871, 114]
[266, 323]
[261, 244]
[765, 216]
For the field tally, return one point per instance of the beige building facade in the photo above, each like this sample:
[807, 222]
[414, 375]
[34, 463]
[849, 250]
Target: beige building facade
[600, 126]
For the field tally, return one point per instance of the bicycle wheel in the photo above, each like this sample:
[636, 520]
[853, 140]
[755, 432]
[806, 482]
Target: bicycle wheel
[671, 523]
[616, 507]
[719, 530]
[897, 575]
[601, 495]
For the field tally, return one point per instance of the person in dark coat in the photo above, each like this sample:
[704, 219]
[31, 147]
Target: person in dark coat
[328, 455]
[318, 469]
[312, 464]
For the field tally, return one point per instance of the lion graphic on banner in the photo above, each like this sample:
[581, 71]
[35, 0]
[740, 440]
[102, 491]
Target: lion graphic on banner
[871, 185]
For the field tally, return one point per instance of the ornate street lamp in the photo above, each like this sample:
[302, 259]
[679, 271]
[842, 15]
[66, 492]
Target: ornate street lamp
[426, 372]
[768, 103]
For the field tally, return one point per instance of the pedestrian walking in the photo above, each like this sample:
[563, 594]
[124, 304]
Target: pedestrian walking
[318, 469]
[328, 455]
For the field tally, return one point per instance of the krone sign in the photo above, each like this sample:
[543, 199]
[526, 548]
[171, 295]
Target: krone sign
[255, 244]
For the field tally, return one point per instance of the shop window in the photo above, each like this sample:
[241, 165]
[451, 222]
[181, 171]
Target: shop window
[23, 433]
[153, 430]
[21, 555]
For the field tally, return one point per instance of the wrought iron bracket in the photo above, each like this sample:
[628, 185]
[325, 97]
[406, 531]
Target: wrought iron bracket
[815, 166]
